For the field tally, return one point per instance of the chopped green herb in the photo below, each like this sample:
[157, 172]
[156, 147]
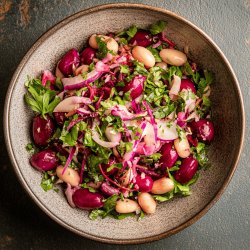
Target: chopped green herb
[39, 98]
[116, 165]
[30, 148]
[48, 182]
[102, 48]
[131, 31]
[158, 27]
[155, 53]
[124, 69]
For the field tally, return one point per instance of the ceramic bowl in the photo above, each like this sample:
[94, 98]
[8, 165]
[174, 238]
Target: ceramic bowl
[228, 115]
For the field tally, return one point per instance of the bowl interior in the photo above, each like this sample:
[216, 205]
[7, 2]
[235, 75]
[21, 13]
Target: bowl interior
[227, 115]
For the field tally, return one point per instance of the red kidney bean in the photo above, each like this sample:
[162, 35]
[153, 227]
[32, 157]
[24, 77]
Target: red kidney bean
[71, 58]
[145, 182]
[169, 155]
[84, 199]
[108, 190]
[187, 170]
[187, 84]
[59, 117]
[42, 130]
[44, 160]
[88, 55]
[142, 38]
[204, 130]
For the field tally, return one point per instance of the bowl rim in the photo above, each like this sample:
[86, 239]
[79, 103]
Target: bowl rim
[14, 162]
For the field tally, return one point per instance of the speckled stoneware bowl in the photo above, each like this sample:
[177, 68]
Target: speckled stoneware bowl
[228, 116]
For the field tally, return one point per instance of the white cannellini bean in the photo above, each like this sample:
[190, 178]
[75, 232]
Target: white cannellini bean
[147, 203]
[182, 147]
[70, 176]
[111, 42]
[127, 206]
[162, 65]
[173, 57]
[81, 69]
[144, 56]
[92, 42]
[162, 186]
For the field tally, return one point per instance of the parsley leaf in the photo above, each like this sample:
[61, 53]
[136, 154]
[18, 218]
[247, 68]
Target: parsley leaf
[131, 31]
[158, 27]
[48, 181]
[124, 69]
[109, 206]
[171, 71]
[155, 53]
[95, 213]
[116, 165]
[201, 154]
[30, 147]
[41, 99]
[102, 48]
[69, 138]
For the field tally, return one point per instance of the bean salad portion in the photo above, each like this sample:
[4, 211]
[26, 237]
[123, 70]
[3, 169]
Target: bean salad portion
[123, 125]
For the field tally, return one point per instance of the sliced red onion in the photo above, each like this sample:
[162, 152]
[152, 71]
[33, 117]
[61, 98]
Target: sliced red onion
[113, 135]
[114, 65]
[108, 190]
[48, 76]
[111, 181]
[71, 155]
[136, 86]
[176, 84]
[108, 58]
[150, 139]
[124, 114]
[181, 119]
[83, 111]
[189, 105]
[69, 193]
[162, 37]
[98, 140]
[78, 82]
[61, 95]
[157, 44]
[71, 103]
[166, 130]
[101, 67]
[73, 123]
[147, 171]
[130, 155]
[152, 119]
[194, 116]
[122, 60]
[59, 74]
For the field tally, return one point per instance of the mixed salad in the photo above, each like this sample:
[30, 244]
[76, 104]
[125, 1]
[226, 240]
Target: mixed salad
[123, 125]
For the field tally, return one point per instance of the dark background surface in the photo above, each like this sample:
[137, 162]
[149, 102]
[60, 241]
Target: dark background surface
[24, 226]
